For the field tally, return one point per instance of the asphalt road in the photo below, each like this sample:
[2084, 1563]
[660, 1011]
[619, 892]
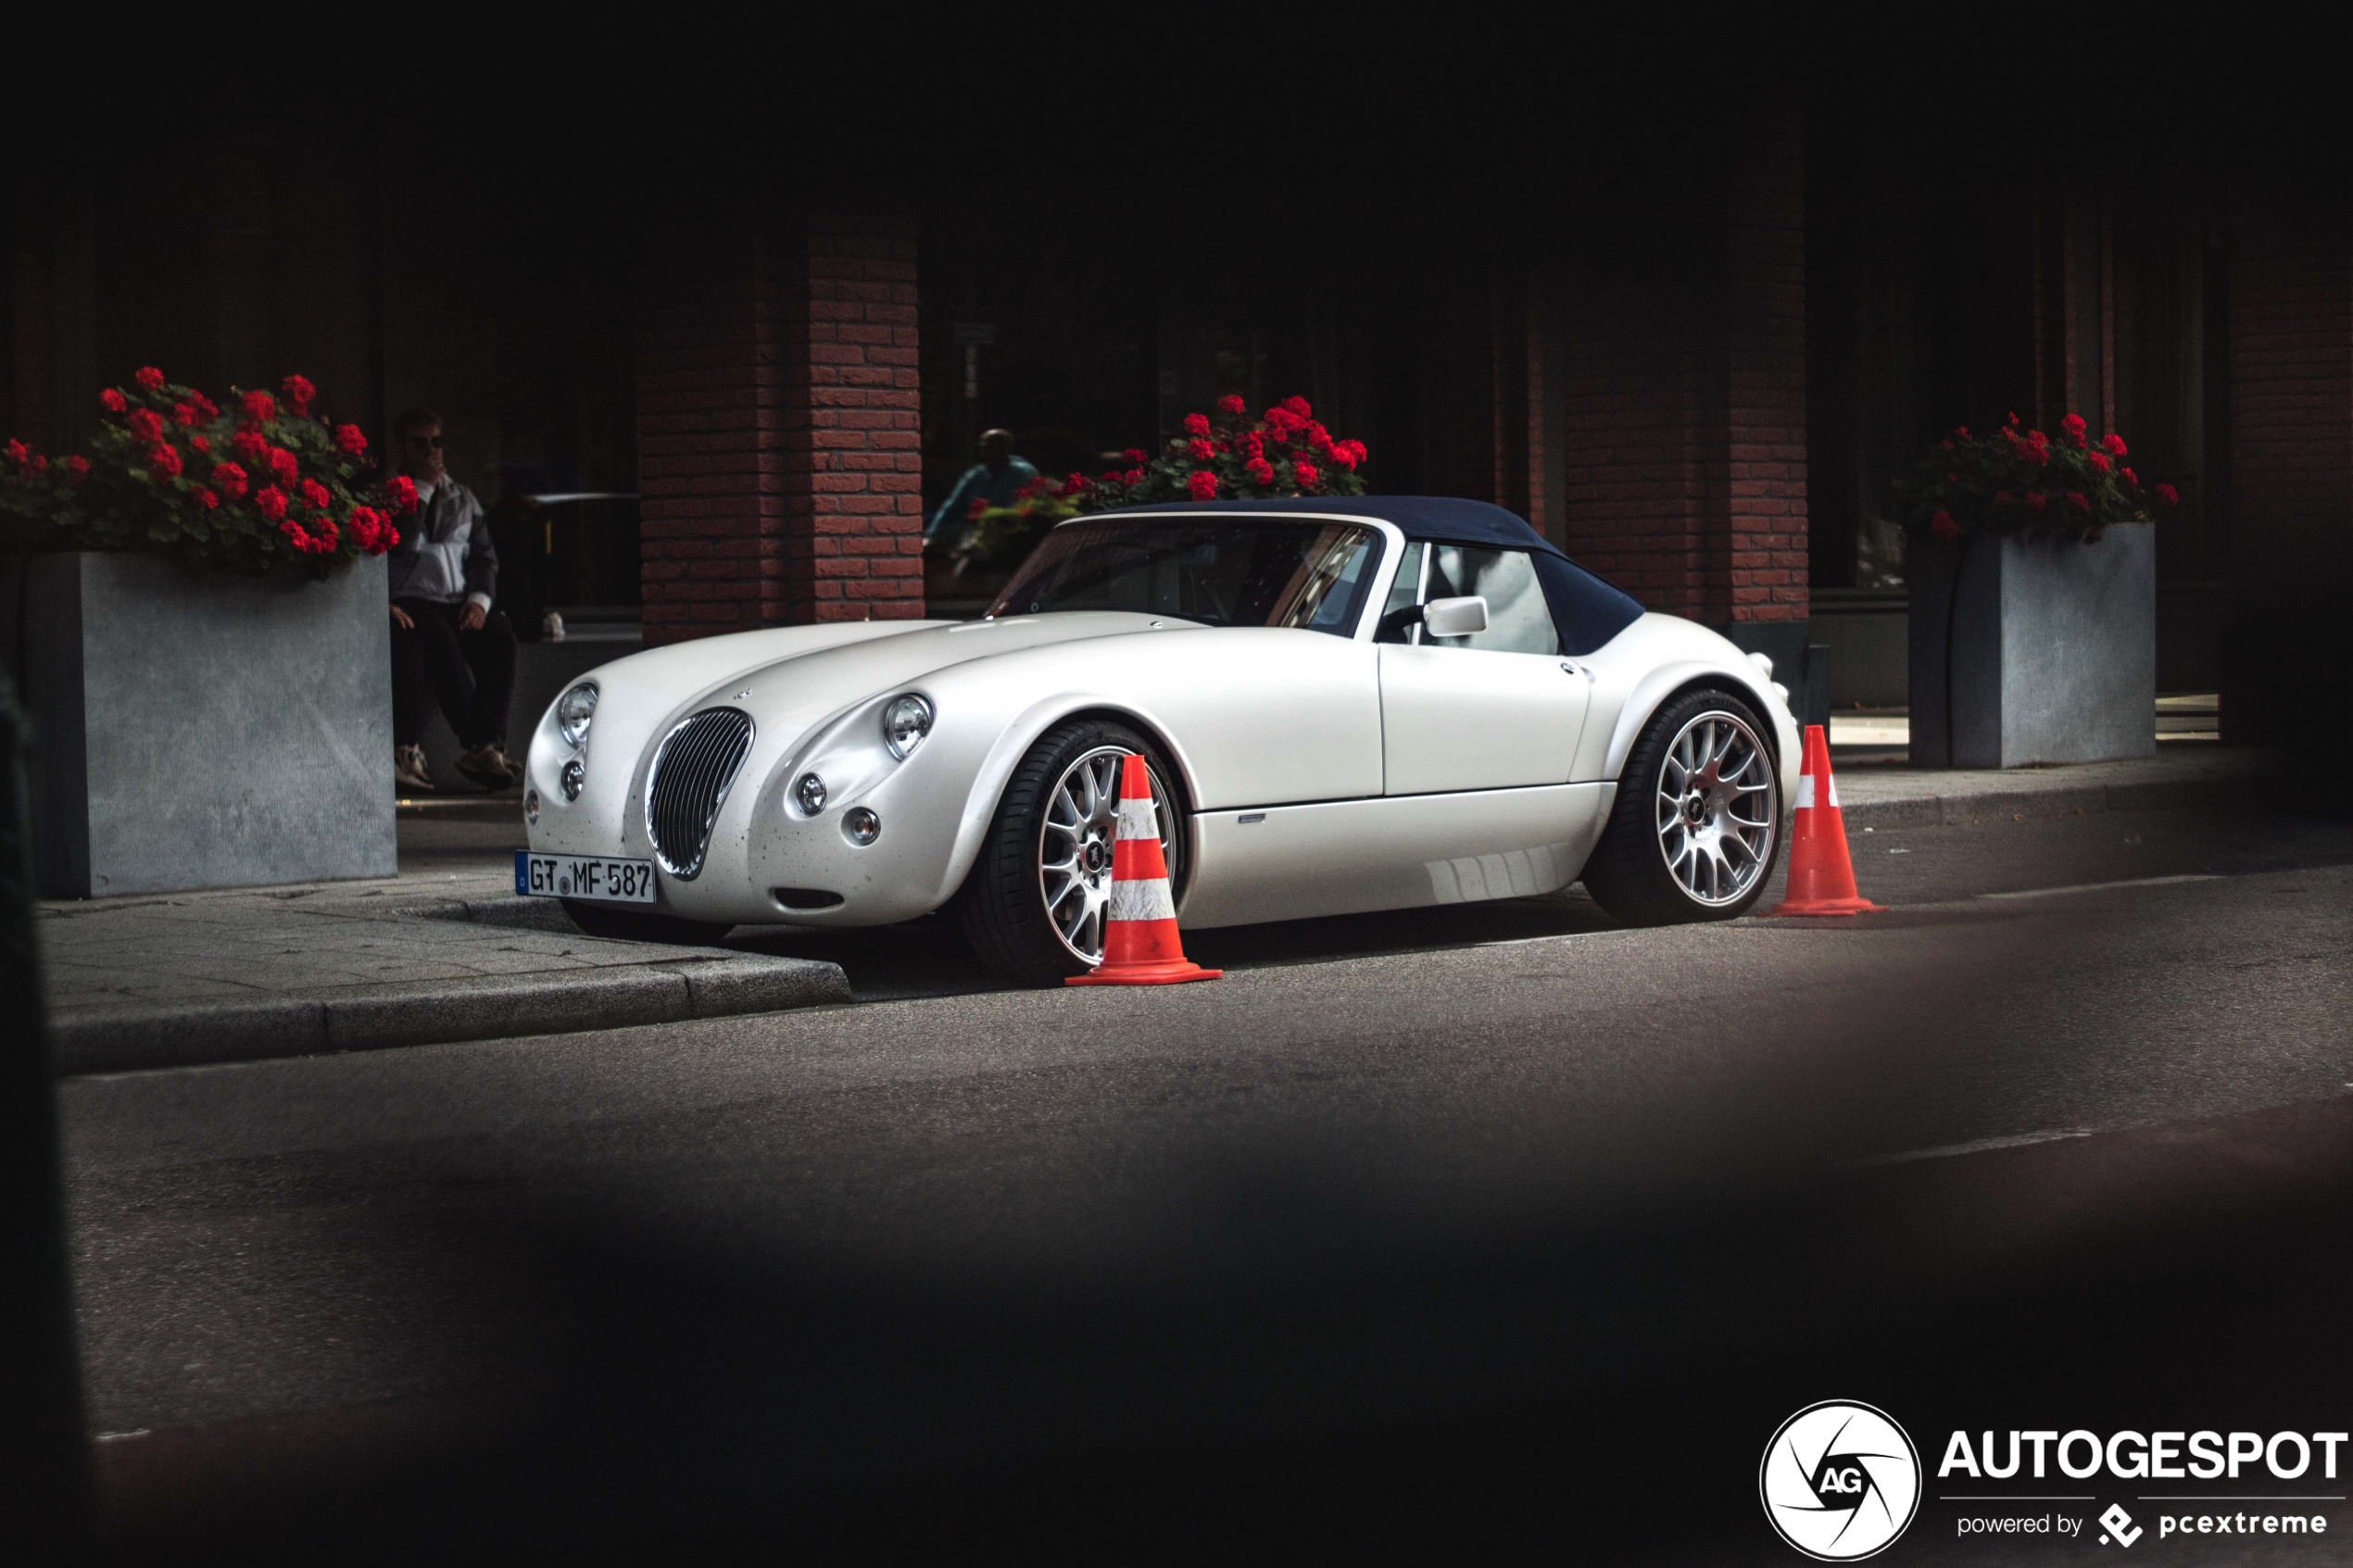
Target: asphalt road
[1454, 1224]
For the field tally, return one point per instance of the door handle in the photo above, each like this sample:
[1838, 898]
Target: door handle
[1578, 670]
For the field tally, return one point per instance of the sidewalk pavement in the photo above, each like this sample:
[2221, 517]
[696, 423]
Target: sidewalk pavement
[445, 951]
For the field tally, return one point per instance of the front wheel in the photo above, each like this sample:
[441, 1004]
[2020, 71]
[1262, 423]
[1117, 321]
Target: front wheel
[636, 925]
[1693, 833]
[1033, 907]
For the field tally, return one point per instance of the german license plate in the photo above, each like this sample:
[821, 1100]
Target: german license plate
[583, 876]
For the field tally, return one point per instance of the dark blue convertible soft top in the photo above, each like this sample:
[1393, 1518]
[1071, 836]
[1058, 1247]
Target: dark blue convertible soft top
[1587, 611]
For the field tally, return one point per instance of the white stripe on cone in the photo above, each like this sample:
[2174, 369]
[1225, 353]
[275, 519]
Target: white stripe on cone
[1806, 792]
[1146, 899]
[1135, 820]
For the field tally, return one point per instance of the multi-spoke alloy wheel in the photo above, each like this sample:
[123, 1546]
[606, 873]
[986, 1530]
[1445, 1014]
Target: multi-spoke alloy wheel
[1074, 840]
[1697, 819]
[1034, 904]
[1715, 807]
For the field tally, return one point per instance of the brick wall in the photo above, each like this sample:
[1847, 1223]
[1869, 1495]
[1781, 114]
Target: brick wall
[1683, 402]
[778, 446]
[2291, 526]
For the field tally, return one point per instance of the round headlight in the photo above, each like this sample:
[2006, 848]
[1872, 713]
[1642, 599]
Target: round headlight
[573, 709]
[573, 778]
[810, 793]
[905, 724]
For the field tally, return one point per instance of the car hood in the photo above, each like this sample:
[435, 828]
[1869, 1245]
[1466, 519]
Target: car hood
[789, 678]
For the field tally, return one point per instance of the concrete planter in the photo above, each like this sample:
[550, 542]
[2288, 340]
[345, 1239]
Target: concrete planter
[202, 731]
[2033, 652]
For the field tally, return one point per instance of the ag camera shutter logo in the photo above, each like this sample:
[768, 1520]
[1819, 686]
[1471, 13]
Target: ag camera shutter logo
[1841, 1481]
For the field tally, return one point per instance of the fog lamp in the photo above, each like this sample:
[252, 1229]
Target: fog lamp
[573, 778]
[531, 806]
[810, 793]
[861, 826]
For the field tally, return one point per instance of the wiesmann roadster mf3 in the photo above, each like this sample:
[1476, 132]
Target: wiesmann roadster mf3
[1345, 705]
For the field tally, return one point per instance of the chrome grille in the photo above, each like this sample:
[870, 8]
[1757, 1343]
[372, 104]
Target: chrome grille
[692, 768]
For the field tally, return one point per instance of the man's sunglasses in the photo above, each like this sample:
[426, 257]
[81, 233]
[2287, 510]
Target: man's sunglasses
[426, 440]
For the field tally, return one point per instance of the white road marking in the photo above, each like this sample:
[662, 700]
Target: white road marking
[1976, 1146]
[2104, 887]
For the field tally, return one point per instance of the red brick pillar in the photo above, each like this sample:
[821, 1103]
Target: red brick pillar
[1683, 401]
[1758, 559]
[2291, 503]
[778, 450]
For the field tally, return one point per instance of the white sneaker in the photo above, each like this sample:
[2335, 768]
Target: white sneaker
[409, 768]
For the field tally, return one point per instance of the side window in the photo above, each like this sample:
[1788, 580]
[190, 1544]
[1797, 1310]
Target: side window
[1518, 620]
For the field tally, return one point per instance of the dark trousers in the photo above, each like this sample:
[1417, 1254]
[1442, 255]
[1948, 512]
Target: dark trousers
[471, 674]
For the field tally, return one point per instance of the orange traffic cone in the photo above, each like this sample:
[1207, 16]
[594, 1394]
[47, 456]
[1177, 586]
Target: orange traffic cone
[1141, 945]
[1821, 879]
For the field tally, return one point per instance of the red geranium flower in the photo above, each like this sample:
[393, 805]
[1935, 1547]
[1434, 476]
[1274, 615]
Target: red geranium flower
[1303, 471]
[285, 464]
[2001, 497]
[113, 401]
[207, 499]
[228, 479]
[1261, 471]
[1231, 405]
[299, 392]
[206, 408]
[350, 440]
[1944, 526]
[2035, 501]
[2129, 477]
[1136, 454]
[163, 460]
[1196, 425]
[270, 502]
[145, 424]
[18, 453]
[249, 447]
[314, 495]
[2114, 445]
[259, 407]
[184, 413]
[1961, 431]
[402, 491]
[201, 442]
[2076, 498]
[2098, 461]
[2168, 495]
[77, 468]
[2073, 427]
[1201, 485]
[149, 377]
[1348, 453]
[1297, 408]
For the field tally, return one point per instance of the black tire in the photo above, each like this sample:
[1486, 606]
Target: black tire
[635, 925]
[1002, 904]
[1629, 873]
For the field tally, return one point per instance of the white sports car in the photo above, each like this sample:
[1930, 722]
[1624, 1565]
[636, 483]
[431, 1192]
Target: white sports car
[1346, 705]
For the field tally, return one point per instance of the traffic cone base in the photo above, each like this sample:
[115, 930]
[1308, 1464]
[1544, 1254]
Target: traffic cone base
[1140, 944]
[1821, 876]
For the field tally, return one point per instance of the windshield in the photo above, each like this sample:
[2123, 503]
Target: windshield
[1230, 571]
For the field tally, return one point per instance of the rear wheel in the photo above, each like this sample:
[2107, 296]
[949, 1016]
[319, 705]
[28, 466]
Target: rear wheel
[1034, 904]
[635, 925]
[1693, 833]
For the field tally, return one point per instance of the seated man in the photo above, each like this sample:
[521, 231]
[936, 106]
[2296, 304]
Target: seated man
[447, 643]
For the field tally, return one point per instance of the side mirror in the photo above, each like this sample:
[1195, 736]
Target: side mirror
[1454, 618]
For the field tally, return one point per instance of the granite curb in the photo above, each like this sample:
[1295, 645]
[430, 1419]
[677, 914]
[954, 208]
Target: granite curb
[376, 1018]
[1960, 809]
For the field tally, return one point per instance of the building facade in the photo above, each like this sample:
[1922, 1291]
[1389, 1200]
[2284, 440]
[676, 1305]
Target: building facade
[1698, 368]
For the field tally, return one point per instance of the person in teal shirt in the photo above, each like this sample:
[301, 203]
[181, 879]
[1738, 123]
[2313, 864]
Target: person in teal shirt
[996, 479]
